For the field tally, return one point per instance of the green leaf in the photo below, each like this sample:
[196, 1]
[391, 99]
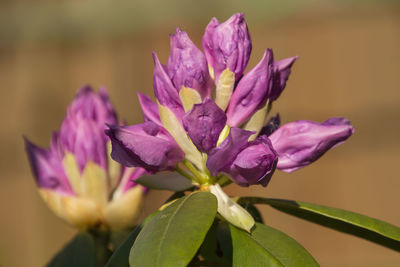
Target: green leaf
[165, 181]
[224, 239]
[79, 252]
[374, 230]
[282, 246]
[210, 250]
[247, 251]
[173, 236]
[120, 257]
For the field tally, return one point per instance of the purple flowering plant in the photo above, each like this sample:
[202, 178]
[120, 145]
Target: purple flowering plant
[210, 125]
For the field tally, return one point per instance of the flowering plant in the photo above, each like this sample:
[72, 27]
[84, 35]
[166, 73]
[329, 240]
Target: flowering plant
[209, 126]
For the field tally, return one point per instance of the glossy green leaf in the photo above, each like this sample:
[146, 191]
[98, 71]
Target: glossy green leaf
[210, 250]
[165, 181]
[120, 257]
[247, 251]
[79, 252]
[282, 246]
[224, 239]
[374, 230]
[173, 236]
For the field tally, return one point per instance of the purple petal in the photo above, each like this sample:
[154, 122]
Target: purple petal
[302, 142]
[221, 157]
[87, 104]
[145, 145]
[130, 181]
[204, 123]
[47, 169]
[149, 109]
[164, 90]
[251, 92]
[227, 45]
[255, 164]
[282, 69]
[85, 139]
[187, 66]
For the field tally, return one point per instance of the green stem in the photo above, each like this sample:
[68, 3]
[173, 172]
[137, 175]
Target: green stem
[101, 238]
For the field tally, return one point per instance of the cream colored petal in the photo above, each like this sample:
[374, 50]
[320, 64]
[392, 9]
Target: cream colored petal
[223, 135]
[256, 122]
[114, 168]
[189, 97]
[211, 71]
[76, 211]
[123, 212]
[231, 211]
[72, 170]
[224, 88]
[173, 126]
[94, 184]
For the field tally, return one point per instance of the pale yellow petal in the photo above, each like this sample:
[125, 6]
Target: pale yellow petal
[173, 126]
[211, 71]
[224, 88]
[189, 97]
[122, 212]
[114, 168]
[76, 211]
[223, 135]
[256, 122]
[72, 170]
[94, 183]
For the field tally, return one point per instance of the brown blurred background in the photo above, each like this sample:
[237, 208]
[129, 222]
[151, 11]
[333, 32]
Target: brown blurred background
[349, 66]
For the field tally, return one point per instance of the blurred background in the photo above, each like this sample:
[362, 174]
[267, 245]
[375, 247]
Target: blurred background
[349, 66]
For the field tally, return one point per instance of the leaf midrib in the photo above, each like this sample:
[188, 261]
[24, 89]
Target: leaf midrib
[167, 227]
[277, 203]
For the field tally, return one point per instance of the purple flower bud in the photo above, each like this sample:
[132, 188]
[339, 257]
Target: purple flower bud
[88, 105]
[82, 131]
[252, 91]
[47, 167]
[281, 69]
[85, 140]
[145, 145]
[204, 123]
[255, 164]
[221, 157]
[187, 65]
[164, 90]
[149, 109]
[227, 45]
[302, 142]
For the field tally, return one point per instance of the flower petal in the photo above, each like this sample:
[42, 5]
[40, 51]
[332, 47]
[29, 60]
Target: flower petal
[85, 139]
[164, 90]
[47, 169]
[255, 164]
[227, 45]
[282, 69]
[204, 123]
[145, 145]
[187, 66]
[149, 109]
[87, 104]
[302, 142]
[221, 157]
[252, 91]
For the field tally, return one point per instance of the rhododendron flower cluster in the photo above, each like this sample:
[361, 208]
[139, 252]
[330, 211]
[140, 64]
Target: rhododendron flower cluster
[208, 118]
